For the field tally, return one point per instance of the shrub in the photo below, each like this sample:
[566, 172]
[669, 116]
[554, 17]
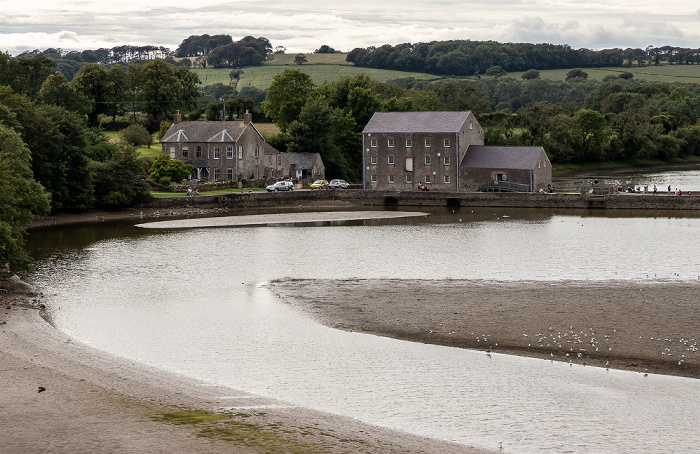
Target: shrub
[136, 135]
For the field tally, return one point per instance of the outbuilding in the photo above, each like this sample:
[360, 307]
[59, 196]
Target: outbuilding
[497, 168]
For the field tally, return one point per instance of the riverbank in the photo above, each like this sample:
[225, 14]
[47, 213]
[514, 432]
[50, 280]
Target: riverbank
[61, 396]
[645, 327]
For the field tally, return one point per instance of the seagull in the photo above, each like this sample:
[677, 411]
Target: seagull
[41, 389]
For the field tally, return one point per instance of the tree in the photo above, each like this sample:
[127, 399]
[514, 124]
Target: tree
[531, 74]
[160, 88]
[172, 169]
[286, 96]
[300, 59]
[235, 75]
[119, 181]
[136, 135]
[57, 91]
[92, 81]
[325, 49]
[495, 71]
[577, 73]
[21, 198]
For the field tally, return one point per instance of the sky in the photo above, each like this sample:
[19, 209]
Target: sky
[344, 25]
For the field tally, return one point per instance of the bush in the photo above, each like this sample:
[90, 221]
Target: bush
[136, 135]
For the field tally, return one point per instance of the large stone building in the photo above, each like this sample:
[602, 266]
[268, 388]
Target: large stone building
[403, 149]
[445, 151]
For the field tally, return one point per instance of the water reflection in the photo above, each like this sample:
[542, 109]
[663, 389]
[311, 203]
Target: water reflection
[192, 302]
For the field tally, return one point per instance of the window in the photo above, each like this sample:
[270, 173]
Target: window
[373, 159]
[471, 124]
[427, 142]
[390, 160]
[216, 174]
[390, 143]
[409, 178]
[428, 160]
[229, 152]
[257, 151]
[240, 152]
[428, 179]
[373, 143]
[374, 178]
[269, 159]
[409, 143]
[172, 152]
[447, 179]
[391, 178]
[229, 174]
[185, 152]
[447, 160]
[279, 160]
[409, 163]
[216, 153]
[198, 151]
[446, 142]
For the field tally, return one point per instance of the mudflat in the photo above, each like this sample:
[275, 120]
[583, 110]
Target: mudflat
[646, 327]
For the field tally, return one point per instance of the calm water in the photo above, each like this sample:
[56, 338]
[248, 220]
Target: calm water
[685, 180]
[194, 302]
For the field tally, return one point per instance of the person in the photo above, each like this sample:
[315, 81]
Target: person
[420, 186]
[654, 189]
[549, 187]
[646, 188]
[669, 189]
[596, 181]
[541, 190]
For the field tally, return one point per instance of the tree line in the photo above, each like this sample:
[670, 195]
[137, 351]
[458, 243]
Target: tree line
[472, 58]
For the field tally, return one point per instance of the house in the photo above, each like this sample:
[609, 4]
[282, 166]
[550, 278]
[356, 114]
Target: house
[495, 168]
[305, 166]
[403, 149]
[218, 150]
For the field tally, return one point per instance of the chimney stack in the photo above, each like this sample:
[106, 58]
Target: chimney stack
[247, 117]
[177, 118]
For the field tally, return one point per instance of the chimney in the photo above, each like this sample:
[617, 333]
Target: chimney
[247, 117]
[177, 118]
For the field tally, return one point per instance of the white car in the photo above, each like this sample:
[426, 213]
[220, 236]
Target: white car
[281, 186]
[339, 184]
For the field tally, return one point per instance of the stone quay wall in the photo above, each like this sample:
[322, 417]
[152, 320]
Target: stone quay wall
[621, 201]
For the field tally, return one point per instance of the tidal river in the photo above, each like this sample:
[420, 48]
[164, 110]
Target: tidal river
[194, 301]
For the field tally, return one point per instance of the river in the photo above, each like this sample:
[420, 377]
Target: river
[194, 301]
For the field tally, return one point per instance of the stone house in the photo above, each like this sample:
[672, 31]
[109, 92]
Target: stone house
[218, 150]
[496, 168]
[402, 149]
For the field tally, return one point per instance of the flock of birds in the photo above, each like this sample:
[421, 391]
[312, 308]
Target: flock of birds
[575, 343]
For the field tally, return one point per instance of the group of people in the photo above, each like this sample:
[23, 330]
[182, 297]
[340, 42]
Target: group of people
[654, 190]
[191, 192]
[423, 187]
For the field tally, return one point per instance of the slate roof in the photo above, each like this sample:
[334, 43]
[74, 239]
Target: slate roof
[416, 122]
[490, 157]
[204, 131]
[302, 160]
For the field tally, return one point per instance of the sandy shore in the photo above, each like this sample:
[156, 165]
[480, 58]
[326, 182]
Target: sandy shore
[644, 327]
[61, 396]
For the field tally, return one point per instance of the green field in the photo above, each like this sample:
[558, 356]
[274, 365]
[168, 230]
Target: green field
[661, 73]
[320, 67]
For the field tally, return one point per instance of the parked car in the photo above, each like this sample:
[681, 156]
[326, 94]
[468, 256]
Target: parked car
[319, 184]
[339, 184]
[281, 186]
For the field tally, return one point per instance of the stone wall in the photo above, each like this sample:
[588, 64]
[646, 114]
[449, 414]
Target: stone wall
[434, 198]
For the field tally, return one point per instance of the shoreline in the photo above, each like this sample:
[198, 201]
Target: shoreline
[62, 396]
[645, 327]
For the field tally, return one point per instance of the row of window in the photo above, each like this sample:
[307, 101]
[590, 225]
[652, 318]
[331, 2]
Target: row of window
[428, 160]
[217, 152]
[409, 143]
[428, 179]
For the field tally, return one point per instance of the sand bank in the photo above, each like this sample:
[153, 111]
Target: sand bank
[646, 326]
[61, 396]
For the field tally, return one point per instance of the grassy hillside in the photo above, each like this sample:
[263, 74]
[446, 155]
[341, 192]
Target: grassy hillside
[321, 68]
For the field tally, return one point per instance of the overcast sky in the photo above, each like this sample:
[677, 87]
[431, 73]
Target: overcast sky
[344, 25]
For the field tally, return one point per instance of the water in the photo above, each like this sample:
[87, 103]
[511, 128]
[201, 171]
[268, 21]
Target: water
[194, 302]
[685, 180]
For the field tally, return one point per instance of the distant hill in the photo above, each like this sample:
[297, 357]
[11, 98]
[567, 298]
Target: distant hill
[329, 67]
